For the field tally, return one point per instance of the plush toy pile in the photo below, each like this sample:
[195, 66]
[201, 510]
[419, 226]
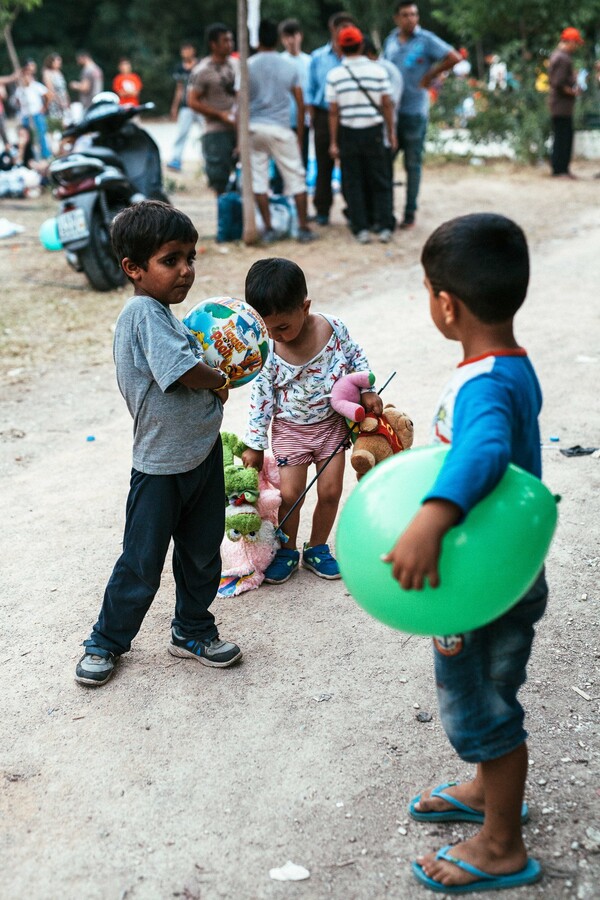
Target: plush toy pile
[252, 499]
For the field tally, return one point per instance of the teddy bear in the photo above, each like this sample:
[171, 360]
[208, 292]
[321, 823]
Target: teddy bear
[380, 437]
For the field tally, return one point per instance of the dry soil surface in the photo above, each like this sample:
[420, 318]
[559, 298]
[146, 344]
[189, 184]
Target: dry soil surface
[179, 781]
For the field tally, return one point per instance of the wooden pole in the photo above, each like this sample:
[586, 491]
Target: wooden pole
[250, 233]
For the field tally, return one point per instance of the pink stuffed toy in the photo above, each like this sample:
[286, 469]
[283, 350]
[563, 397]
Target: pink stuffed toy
[345, 395]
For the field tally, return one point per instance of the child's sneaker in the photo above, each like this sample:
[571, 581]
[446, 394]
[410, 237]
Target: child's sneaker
[215, 652]
[94, 669]
[320, 561]
[283, 566]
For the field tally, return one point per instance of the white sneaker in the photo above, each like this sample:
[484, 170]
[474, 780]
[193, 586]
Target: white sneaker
[363, 237]
[385, 236]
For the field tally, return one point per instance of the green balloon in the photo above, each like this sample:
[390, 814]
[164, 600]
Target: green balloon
[487, 562]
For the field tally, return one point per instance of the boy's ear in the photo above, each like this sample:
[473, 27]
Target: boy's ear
[449, 307]
[131, 269]
[306, 306]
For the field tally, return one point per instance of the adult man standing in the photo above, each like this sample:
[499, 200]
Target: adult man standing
[323, 59]
[563, 91]
[181, 113]
[359, 96]
[271, 80]
[212, 91]
[91, 79]
[290, 35]
[421, 56]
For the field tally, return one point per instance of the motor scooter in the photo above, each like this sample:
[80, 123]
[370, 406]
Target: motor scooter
[113, 163]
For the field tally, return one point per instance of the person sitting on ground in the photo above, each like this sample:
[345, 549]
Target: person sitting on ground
[308, 353]
[177, 485]
[476, 274]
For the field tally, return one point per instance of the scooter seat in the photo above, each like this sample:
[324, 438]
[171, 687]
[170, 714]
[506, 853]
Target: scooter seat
[109, 157]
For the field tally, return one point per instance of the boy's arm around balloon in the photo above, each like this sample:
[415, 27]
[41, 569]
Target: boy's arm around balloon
[478, 458]
[416, 553]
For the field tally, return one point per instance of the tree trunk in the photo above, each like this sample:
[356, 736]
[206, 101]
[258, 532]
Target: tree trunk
[250, 234]
[11, 48]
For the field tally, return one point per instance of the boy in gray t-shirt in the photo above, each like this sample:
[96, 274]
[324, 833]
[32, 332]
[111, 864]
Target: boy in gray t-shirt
[176, 489]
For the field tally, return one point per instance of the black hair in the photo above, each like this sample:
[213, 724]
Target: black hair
[369, 46]
[289, 27]
[275, 285]
[483, 260]
[340, 18]
[267, 34]
[214, 32]
[402, 3]
[351, 49]
[188, 43]
[139, 230]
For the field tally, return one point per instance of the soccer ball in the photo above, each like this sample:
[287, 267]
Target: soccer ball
[232, 335]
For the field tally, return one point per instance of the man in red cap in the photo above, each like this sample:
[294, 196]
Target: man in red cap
[563, 91]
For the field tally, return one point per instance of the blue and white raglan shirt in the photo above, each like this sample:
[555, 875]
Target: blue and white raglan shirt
[488, 412]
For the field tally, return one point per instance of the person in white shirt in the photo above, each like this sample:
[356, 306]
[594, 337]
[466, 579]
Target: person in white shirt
[32, 97]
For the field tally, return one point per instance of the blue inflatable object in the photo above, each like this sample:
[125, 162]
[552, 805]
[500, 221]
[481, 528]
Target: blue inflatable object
[48, 235]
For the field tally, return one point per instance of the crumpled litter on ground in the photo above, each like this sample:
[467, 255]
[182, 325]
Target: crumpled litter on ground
[7, 228]
[289, 872]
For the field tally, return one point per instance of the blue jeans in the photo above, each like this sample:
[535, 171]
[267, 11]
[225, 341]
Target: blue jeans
[478, 676]
[39, 124]
[186, 117]
[411, 132]
[189, 508]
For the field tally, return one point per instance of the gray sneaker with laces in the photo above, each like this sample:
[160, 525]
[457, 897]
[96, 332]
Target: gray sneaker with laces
[215, 653]
[93, 669]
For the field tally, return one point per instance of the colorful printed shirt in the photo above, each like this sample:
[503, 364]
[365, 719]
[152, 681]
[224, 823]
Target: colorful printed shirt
[489, 413]
[301, 394]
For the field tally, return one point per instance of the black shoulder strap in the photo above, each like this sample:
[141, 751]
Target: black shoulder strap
[364, 90]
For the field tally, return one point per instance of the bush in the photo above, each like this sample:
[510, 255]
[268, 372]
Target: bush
[518, 115]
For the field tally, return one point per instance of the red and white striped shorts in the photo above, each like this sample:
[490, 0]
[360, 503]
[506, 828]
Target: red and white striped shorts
[300, 445]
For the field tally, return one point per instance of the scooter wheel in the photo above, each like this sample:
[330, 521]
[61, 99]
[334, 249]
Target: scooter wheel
[98, 260]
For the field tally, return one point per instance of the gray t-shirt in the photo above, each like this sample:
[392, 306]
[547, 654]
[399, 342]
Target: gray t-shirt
[271, 78]
[174, 427]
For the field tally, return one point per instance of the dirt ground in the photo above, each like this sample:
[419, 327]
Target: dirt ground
[179, 781]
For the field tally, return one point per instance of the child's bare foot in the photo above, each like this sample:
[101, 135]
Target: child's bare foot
[482, 853]
[469, 793]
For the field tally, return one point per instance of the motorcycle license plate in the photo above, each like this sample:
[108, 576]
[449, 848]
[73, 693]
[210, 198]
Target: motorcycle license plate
[72, 226]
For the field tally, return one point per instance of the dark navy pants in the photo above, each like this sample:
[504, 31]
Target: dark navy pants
[190, 508]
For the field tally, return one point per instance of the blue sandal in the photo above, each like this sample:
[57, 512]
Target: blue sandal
[460, 813]
[531, 873]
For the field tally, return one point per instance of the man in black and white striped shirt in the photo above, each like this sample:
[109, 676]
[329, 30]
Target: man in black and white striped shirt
[360, 107]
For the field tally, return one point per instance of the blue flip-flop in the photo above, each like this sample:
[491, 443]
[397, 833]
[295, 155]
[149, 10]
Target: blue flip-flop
[460, 813]
[531, 873]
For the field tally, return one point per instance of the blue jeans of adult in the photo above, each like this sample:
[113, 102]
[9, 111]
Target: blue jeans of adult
[411, 132]
[186, 118]
[189, 508]
[41, 129]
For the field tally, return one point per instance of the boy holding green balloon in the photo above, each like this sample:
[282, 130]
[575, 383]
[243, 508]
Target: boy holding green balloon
[476, 273]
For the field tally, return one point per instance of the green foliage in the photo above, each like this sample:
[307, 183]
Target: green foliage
[10, 9]
[518, 116]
